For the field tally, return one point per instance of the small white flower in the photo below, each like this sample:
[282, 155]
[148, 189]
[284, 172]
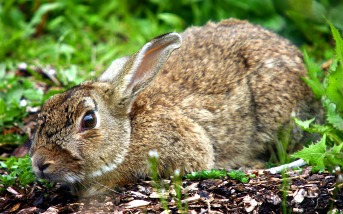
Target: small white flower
[177, 172]
[337, 169]
[23, 103]
[153, 154]
[51, 71]
[92, 73]
[293, 114]
[22, 66]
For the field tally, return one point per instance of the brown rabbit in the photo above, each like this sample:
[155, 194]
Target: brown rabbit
[218, 101]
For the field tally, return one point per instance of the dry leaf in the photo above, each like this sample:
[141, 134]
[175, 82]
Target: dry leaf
[15, 207]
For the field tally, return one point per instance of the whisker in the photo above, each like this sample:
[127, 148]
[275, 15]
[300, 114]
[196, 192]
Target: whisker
[97, 183]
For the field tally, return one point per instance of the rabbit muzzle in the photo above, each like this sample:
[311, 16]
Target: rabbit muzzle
[62, 168]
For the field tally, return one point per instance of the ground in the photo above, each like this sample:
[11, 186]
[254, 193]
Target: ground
[266, 193]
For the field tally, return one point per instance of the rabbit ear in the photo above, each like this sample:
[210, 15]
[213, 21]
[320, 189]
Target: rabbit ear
[112, 71]
[141, 69]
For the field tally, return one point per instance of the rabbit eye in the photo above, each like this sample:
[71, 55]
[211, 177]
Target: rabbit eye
[89, 120]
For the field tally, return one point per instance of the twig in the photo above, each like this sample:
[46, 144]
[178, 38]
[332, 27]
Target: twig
[279, 169]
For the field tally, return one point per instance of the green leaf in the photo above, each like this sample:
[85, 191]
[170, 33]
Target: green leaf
[15, 93]
[321, 129]
[2, 70]
[171, 19]
[312, 67]
[334, 117]
[305, 125]
[239, 175]
[2, 107]
[339, 42]
[316, 86]
[213, 174]
[34, 94]
[43, 9]
[337, 148]
[334, 88]
[315, 128]
[313, 81]
[314, 154]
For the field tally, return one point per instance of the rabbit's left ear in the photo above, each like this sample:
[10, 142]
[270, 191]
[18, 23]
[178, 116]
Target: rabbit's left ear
[131, 75]
[112, 71]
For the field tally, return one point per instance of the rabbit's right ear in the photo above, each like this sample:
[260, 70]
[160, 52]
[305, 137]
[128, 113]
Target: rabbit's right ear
[131, 75]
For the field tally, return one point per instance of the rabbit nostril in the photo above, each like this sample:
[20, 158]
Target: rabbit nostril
[43, 167]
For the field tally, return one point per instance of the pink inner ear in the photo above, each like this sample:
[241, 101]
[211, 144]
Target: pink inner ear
[149, 64]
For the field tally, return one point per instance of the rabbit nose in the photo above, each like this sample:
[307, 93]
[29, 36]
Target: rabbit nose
[42, 166]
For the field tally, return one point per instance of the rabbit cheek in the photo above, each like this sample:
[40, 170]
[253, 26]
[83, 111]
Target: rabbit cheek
[100, 157]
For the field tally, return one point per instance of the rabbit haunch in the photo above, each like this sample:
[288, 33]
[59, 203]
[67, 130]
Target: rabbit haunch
[218, 101]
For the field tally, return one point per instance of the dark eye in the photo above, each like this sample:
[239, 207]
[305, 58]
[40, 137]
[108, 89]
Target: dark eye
[89, 120]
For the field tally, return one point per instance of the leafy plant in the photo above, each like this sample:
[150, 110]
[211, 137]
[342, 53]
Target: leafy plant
[215, 174]
[19, 171]
[15, 94]
[320, 155]
[327, 152]
[240, 176]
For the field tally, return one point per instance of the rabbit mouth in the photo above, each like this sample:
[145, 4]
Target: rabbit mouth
[62, 169]
[68, 178]
[64, 176]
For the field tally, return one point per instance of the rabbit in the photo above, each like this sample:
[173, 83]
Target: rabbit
[219, 100]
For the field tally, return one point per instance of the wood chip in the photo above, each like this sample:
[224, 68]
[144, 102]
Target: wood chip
[13, 191]
[191, 199]
[28, 210]
[51, 210]
[249, 203]
[136, 203]
[299, 196]
[137, 194]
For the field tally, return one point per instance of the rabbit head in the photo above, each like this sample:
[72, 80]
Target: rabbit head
[85, 131]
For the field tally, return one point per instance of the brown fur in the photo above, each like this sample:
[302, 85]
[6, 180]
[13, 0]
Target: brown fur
[219, 101]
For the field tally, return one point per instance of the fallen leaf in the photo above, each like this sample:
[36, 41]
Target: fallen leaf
[15, 207]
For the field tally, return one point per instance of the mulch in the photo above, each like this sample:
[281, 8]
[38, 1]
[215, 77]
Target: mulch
[266, 193]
